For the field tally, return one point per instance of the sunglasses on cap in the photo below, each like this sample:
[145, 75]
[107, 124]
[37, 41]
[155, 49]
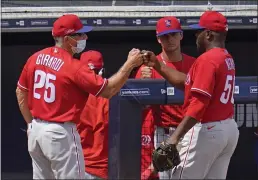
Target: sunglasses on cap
[77, 34]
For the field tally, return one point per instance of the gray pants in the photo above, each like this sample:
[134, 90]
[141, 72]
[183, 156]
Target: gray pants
[90, 176]
[206, 150]
[55, 149]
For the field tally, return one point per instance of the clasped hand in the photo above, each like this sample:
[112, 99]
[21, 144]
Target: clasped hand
[137, 58]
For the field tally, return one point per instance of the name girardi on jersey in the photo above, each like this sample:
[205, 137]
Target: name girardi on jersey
[49, 61]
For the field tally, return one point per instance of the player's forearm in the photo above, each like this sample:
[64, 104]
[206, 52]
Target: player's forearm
[194, 114]
[173, 76]
[116, 82]
[22, 98]
[187, 123]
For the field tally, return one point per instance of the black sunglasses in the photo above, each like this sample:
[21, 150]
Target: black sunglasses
[77, 34]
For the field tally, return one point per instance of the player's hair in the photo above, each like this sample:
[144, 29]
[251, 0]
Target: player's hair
[58, 41]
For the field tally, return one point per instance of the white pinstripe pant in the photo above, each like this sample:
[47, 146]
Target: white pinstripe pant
[206, 150]
[56, 151]
[90, 176]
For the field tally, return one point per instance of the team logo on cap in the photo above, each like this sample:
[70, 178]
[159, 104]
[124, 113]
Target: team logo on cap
[68, 31]
[91, 66]
[168, 23]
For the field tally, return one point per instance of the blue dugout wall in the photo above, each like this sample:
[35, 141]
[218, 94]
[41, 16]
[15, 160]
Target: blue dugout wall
[126, 116]
[115, 45]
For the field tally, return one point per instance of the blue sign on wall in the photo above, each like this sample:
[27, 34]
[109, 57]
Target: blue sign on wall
[118, 21]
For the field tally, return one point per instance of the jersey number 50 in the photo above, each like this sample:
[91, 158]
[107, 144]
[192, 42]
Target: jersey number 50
[44, 82]
[228, 89]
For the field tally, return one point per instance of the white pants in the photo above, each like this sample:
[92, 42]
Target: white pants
[90, 176]
[55, 149]
[206, 150]
[159, 136]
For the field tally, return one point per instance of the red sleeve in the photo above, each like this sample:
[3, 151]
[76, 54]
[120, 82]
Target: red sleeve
[204, 78]
[89, 81]
[197, 106]
[23, 80]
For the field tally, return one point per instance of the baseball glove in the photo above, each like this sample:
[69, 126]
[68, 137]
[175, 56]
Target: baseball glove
[165, 157]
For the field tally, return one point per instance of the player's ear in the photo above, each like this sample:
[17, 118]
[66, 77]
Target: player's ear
[181, 35]
[66, 39]
[158, 39]
[209, 36]
[70, 41]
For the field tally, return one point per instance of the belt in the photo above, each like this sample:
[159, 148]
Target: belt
[38, 119]
[219, 121]
[166, 129]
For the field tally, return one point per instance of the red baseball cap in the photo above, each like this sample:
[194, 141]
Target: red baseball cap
[212, 20]
[93, 58]
[167, 25]
[69, 24]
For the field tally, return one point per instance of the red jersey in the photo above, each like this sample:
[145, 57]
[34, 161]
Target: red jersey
[93, 130]
[170, 115]
[213, 75]
[58, 85]
[163, 115]
[147, 139]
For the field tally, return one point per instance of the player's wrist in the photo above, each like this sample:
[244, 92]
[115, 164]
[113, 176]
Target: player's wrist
[157, 65]
[172, 141]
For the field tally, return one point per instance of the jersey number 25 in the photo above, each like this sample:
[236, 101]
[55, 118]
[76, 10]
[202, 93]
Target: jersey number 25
[44, 80]
[228, 89]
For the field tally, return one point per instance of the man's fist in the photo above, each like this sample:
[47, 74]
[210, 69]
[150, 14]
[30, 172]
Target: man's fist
[149, 58]
[146, 72]
[135, 57]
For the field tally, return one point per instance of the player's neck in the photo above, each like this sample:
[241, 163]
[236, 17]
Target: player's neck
[216, 45]
[174, 56]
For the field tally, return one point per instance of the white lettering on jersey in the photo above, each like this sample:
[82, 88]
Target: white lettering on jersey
[49, 61]
[188, 79]
[230, 63]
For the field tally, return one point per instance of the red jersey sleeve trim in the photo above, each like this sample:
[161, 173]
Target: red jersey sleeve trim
[201, 91]
[102, 87]
[22, 87]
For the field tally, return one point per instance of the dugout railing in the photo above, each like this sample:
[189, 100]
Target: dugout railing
[125, 118]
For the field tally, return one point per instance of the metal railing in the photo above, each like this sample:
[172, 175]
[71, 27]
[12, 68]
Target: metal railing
[51, 3]
[127, 11]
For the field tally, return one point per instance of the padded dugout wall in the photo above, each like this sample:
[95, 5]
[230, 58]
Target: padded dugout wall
[114, 45]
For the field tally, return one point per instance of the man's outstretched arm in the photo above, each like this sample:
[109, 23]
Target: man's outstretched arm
[173, 76]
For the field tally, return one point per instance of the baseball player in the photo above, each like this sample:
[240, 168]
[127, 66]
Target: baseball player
[166, 117]
[208, 132]
[93, 127]
[52, 91]
[147, 145]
